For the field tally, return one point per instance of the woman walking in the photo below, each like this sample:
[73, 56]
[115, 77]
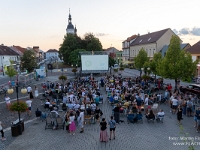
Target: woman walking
[36, 92]
[72, 126]
[67, 120]
[103, 133]
[112, 125]
[2, 133]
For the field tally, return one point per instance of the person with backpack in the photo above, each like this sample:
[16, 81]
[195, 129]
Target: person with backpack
[112, 124]
[189, 107]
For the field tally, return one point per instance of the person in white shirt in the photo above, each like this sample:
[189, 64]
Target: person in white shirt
[7, 99]
[160, 113]
[28, 102]
[81, 121]
[174, 105]
[146, 104]
[29, 89]
[76, 106]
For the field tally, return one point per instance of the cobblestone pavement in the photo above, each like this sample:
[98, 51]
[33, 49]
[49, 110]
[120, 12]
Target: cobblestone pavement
[146, 136]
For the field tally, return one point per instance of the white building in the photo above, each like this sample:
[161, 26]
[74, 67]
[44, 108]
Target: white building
[53, 55]
[7, 55]
[151, 42]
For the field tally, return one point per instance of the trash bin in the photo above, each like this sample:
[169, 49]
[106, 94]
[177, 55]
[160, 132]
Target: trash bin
[17, 127]
[14, 130]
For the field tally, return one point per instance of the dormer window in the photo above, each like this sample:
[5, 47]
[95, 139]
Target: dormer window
[149, 39]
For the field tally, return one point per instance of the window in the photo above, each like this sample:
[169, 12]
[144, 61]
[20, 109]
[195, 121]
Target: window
[140, 41]
[149, 39]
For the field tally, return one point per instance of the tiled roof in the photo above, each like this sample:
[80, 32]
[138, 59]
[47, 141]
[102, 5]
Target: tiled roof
[149, 38]
[4, 50]
[20, 48]
[131, 38]
[165, 48]
[195, 49]
[52, 50]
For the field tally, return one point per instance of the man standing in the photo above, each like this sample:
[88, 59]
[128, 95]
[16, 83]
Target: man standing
[29, 89]
[81, 121]
[112, 125]
[2, 133]
[28, 102]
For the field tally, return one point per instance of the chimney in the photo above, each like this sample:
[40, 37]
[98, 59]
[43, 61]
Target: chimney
[138, 34]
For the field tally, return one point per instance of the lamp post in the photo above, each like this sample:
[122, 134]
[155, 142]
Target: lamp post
[118, 60]
[23, 91]
[2, 57]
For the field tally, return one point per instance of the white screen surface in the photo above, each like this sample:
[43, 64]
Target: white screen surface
[94, 62]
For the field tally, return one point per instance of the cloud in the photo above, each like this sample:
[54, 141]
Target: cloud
[186, 31]
[101, 34]
[192, 39]
[195, 31]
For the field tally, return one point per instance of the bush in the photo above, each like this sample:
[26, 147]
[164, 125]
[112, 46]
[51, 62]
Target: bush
[74, 70]
[62, 78]
[115, 70]
[22, 106]
[146, 77]
[131, 67]
[121, 68]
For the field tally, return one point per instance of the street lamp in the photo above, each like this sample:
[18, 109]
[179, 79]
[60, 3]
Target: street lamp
[118, 60]
[23, 91]
[2, 57]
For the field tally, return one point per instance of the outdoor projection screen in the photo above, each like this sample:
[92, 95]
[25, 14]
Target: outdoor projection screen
[94, 62]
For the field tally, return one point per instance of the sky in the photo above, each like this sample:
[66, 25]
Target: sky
[43, 23]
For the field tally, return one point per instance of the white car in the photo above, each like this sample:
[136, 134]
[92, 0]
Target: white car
[116, 66]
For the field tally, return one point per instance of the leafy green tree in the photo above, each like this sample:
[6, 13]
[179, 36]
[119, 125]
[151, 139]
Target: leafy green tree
[177, 64]
[157, 58]
[140, 59]
[11, 72]
[69, 44]
[92, 43]
[74, 57]
[28, 61]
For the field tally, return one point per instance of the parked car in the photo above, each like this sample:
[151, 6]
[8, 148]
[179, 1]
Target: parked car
[116, 66]
[192, 89]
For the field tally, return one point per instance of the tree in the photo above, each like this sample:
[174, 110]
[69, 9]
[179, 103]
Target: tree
[140, 59]
[74, 57]
[177, 64]
[157, 58]
[111, 61]
[92, 43]
[69, 45]
[11, 72]
[28, 61]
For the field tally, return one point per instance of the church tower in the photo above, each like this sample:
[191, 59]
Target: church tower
[70, 27]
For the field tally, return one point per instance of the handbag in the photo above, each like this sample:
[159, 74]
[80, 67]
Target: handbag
[67, 123]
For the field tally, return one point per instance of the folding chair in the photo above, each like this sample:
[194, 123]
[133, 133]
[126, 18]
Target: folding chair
[49, 124]
[60, 123]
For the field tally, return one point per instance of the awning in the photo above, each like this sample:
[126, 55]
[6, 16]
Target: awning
[128, 62]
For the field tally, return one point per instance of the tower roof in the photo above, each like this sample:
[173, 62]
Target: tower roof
[70, 26]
